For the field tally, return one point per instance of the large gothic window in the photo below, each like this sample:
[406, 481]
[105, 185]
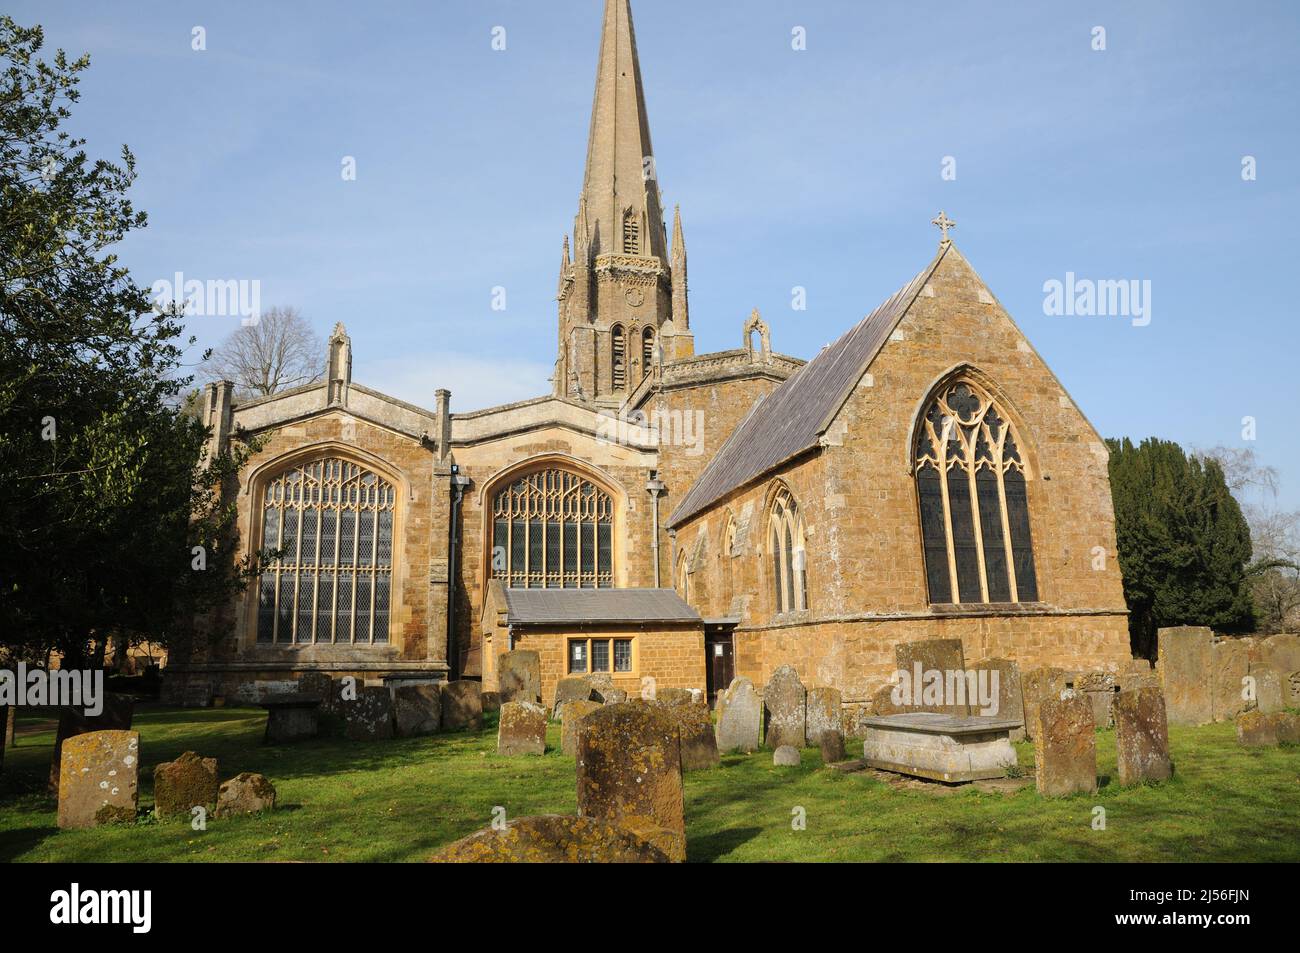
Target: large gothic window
[786, 543]
[970, 480]
[332, 521]
[553, 529]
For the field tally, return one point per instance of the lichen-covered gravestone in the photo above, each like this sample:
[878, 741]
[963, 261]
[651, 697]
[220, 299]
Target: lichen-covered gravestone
[99, 778]
[695, 731]
[417, 710]
[188, 782]
[1268, 690]
[519, 676]
[576, 688]
[117, 713]
[522, 729]
[785, 703]
[674, 696]
[1255, 729]
[1066, 755]
[1229, 668]
[1185, 663]
[462, 706]
[572, 716]
[740, 717]
[246, 793]
[369, 716]
[1037, 684]
[942, 655]
[1099, 688]
[1142, 736]
[630, 773]
[825, 713]
[1009, 701]
[551, 839]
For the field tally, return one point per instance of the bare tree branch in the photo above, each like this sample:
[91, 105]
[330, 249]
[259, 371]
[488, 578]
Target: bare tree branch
[280, 351]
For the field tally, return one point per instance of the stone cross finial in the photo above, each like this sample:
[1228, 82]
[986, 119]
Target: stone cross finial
[944, 223]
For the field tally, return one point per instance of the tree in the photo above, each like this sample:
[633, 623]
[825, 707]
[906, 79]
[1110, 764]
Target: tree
[1183, 542]
[104, 490]
[277, 352]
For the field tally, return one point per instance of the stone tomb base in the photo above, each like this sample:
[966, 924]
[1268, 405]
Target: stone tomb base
[940, 747]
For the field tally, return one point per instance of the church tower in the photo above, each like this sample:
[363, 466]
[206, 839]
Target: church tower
[622, 294]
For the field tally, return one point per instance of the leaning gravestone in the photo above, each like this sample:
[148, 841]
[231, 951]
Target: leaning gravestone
[246, 793]
[630, 773]
[417, 710]
[825, 713]
[462, 706]
[785, 704]
[116, 716]
[695, 732]
[740, 717]
[99, 778]
[519, 676]
[576, 688]
[1066, 755]
[368, 717]
[572, 716]
[942, 655]
[1037, 684]
[1185, 664]
[1229, 668]
[1009, 701]
[1268, 690]
[1142, 736]
[551, 839]
[188, 782]
[522, 729]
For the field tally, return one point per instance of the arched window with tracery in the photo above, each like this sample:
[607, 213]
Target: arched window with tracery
[553, 529]
[789, 562]
[618, 347]
[332, 521]
[647, 350]
[971, 485]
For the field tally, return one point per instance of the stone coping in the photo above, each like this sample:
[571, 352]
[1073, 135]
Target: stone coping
[935, 723]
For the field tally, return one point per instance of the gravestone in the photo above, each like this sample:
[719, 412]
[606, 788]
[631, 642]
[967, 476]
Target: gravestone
[1142, 736]
[785, 707]
[825, 713]
[1268, 690]
[522, 729]
[576, 688]
[1255, 729]
[417, 710]
[611, 696]
[188, 782]
[832, 745]
[942, 655]
[99, 779]
[1009, 701]
[571, 717]
[1280, 653]
[740, 717]
[1099, 689]
[368, 717]
[630, 773]
[1185, 663]
[1066, 747]
[1288, 728]
[291, 718]
[695, 732]
[786, 756]
[674, 696]
[1229, 667]
[118, 711]
[929, 744]
[1037, 684]
[552, 839]
[519, 676]
[462, 706]
[246, 793]
[491, 701]
[1290, 686]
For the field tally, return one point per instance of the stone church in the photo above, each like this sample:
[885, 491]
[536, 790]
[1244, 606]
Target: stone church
[672, 516]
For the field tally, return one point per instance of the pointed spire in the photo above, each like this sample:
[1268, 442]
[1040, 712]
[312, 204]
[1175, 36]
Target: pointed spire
[681, 308]
[621, 177]
[565, 265]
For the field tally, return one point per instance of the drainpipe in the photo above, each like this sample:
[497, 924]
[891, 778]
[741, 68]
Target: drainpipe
[655, 487]
[459, 484]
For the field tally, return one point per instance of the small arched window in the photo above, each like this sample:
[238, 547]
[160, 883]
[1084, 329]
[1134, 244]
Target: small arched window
[728, 555]
[789, 562]
[332, 521]
[970, 481]
[553, 529]
[647, 350]
[618, 356]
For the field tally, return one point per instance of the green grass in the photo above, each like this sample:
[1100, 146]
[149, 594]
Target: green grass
[401, 800]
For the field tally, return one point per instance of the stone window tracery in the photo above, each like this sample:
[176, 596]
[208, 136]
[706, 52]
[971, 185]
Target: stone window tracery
[789, 561]
[553, 529]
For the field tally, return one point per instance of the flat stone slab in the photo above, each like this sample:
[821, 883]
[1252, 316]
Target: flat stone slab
[939, 747]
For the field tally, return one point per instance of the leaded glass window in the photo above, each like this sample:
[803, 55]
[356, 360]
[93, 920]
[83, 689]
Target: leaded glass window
[552, 529]
[971, 489]
[789, 564]
[333, 521]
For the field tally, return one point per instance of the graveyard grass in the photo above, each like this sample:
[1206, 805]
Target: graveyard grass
[402, 800]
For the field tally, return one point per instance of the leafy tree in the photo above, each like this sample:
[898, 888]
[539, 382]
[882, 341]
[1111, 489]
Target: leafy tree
[104, 491]
[1183, 543]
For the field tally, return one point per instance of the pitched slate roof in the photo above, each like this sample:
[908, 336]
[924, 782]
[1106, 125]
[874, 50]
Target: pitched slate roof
[791, 419]
[565, 606]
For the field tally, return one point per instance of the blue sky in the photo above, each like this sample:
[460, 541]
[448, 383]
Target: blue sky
[818, 168]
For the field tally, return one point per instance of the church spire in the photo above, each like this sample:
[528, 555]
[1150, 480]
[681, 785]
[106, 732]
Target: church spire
[681, 313]
[621, 185]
